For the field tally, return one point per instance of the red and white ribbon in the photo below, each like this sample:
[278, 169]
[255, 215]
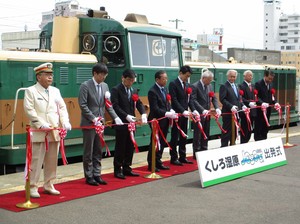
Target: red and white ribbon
[46, 141]
[131, 129]
[264, 110]
[180, 130]
[247, 114]
[100, 131]
[237, 124]
[197, 121]
[162, 134]
[218, 123]
[62, 134]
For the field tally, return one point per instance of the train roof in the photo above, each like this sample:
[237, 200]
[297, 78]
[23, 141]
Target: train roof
[46, 57]
[149, 28]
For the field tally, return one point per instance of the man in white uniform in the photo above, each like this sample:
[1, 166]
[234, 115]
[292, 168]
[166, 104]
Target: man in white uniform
[45, 109]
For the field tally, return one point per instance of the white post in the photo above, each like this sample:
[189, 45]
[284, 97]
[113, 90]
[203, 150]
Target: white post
[14, 115]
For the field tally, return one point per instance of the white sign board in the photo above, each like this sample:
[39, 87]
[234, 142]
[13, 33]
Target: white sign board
[228, 163]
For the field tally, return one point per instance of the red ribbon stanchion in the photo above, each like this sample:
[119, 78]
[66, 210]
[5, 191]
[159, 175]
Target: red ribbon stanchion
[28, 152]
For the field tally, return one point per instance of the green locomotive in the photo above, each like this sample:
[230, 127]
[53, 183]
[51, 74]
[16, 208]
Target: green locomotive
[74, 45]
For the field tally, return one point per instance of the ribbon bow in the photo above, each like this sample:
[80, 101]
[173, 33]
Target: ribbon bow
[100, 131]
[131, 129]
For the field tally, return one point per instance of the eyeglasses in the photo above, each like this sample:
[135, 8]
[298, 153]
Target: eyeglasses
[48, 74]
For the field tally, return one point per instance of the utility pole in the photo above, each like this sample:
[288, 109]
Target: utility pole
[176, 21]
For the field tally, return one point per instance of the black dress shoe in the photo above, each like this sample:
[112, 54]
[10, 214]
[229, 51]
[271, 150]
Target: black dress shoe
[162, 167]
[176, 162]
[99, 180]
[150, 169]
[185, 161]
[130, 173]
[91, 181]
[119, 175]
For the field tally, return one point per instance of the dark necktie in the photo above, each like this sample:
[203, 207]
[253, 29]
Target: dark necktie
[163, 91]
[99, 91]
[183, 83]
[234, 89]
[128, 93]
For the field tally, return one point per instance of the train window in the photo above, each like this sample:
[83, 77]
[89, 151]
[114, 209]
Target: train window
[89, 42]
[30, 73]
[153, 51]
[113, 54]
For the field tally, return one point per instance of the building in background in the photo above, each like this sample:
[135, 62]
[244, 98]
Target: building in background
[247, 55]
[29, 40]
[282, 33]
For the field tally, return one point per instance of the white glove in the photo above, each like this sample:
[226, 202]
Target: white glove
[277, 106]
[264, 105]
[67, 126]
[169, 114]
[244, 108]
[46, 126]
[234, 109]
[97, 121]
[173, 111]
[144, 118]
[130, 118]
[195, 113]
[218, 111]
[205, 112]
[186, 113]
[118, 121]
[252, 104]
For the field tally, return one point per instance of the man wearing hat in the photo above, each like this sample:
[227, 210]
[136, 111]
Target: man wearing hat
[46, 109]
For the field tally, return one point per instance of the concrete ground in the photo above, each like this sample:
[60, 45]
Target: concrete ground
[272, 196]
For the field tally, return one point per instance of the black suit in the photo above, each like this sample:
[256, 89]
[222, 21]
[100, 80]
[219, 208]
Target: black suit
[201, 101]
[123, 106]
[247, 98]
[264, 96]
[158, 107]
[180, 103]
[228, 98]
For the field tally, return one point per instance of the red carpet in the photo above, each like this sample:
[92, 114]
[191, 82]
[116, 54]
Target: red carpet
[78, 188]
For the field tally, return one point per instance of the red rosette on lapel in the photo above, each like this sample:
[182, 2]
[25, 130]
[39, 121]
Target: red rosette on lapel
[135, 98]
[189, 90]
[108, 104]
[255, 92]
[273, 91]
[241, 92]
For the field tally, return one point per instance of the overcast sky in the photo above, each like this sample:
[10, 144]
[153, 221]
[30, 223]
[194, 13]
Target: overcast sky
[242, 20]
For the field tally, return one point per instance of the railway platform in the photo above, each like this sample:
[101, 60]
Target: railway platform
[271, 196]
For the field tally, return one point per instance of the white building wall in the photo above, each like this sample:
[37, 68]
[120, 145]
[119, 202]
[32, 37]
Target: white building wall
[272, 12]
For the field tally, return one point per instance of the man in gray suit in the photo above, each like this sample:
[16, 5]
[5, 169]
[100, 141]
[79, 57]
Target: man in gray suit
[202, 104]
[91, 100]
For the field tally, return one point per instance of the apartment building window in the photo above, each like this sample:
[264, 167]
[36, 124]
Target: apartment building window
[188, 56]
[264, 58]
[282, 48]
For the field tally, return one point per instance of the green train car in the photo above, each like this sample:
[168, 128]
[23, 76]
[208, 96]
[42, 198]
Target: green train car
[284, 83]
[74, 45]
